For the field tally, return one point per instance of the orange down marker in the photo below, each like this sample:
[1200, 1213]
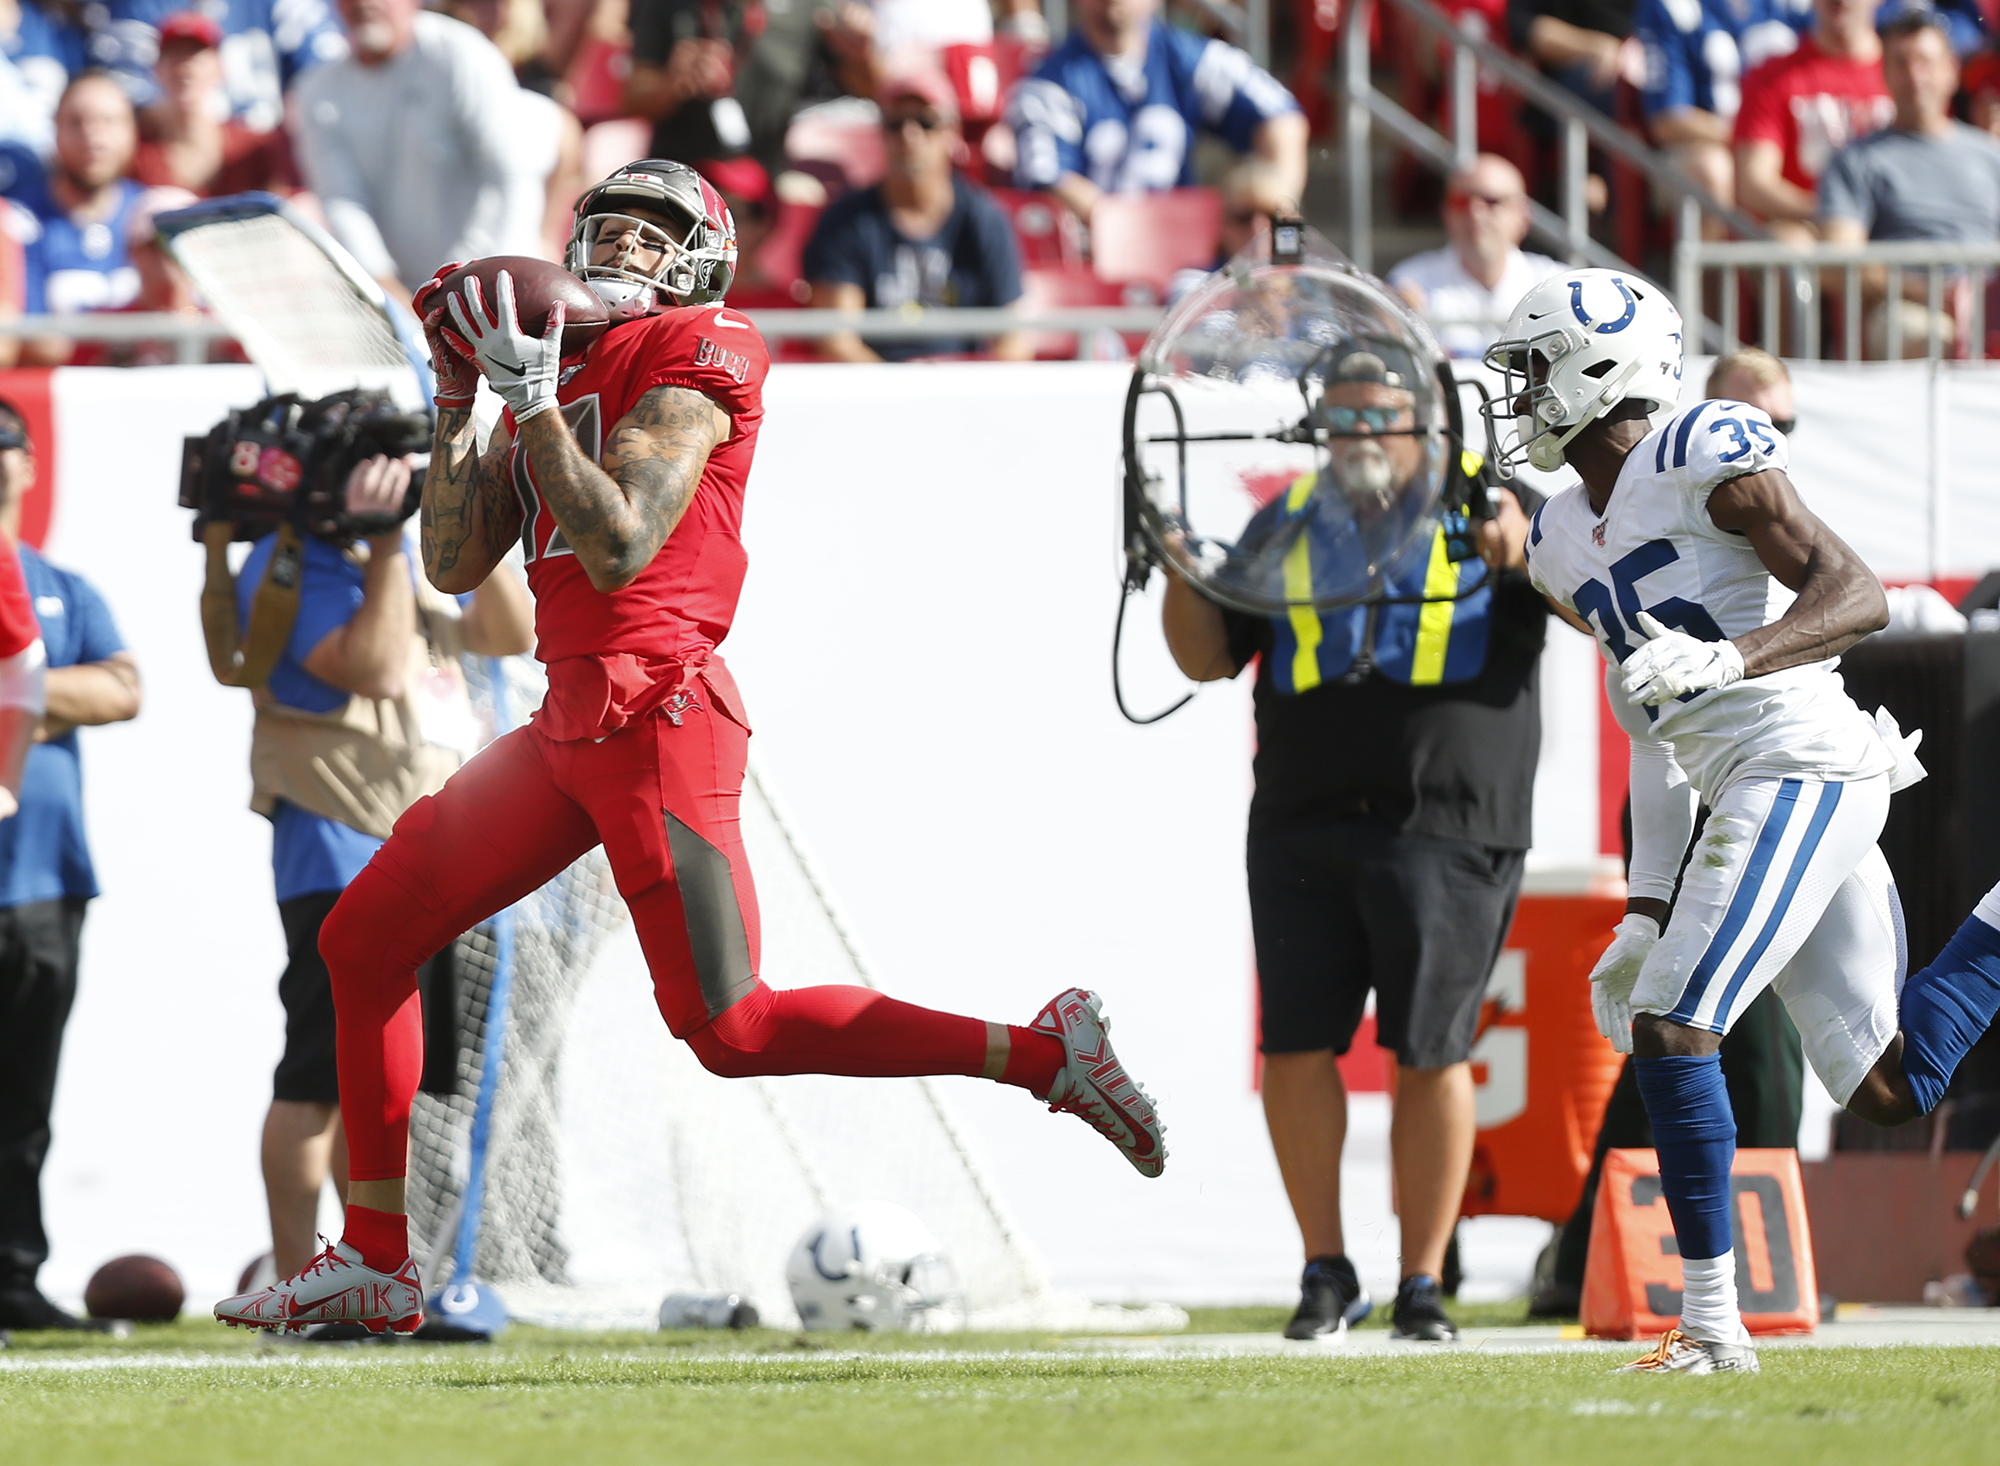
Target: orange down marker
[1633, 1285]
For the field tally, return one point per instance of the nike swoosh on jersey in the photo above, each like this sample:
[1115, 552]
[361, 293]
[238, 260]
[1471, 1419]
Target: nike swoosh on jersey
[732, 325]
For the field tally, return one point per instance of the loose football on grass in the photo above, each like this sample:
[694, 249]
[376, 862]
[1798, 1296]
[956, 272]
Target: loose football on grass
[537, 286]
[140, 1288]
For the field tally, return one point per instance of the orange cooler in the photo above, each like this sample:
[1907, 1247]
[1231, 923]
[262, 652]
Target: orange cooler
[1543, 1071]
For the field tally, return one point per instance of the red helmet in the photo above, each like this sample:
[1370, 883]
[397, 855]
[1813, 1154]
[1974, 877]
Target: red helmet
[696, 248]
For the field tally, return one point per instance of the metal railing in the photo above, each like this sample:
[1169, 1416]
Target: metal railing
[192, 335]
[1583, 126]
[1793, 284]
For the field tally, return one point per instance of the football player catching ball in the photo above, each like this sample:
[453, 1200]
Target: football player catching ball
[621, 473]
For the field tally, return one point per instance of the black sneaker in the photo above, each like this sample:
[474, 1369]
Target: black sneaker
[1330, 1299]
[1419, 1312]
[27, 1310]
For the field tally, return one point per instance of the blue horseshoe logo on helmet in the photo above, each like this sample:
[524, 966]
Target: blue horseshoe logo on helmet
[1609, 327]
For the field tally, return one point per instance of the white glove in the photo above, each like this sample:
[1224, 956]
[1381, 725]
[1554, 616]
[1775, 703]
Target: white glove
[1902, 749]
[1612, 979]
[1670, 663]
[524, 370]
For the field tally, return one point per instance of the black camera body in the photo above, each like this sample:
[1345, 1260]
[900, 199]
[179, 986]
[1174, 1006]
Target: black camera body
[284, 461]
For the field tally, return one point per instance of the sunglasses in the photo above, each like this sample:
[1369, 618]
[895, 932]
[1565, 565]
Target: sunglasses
[895, 125]
[1491, 200]
[12, 436]
[1378, 419]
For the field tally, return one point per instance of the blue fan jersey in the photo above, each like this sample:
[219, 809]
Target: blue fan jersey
[1699, 51]
[265, 45]
[1131, 129]
[72, 266]
[47, 52]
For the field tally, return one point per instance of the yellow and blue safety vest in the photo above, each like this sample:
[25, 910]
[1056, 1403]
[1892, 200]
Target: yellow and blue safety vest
[1441, 639]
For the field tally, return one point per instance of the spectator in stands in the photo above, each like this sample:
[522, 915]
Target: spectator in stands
[1799, 110]
[415, 145]
[1468, 289]
[1924, 176]
[187, 137]
[267, 45]
[520, 28]
[894, 35]
[43, 49]
[1697, 52]
[1982, 91]
[1586, 46]
[1117, 107]
[923, 236]
[46, 880]
[1964, 21]
[753, 204]
[74, 236]
[1753, 375]
[1251, 197]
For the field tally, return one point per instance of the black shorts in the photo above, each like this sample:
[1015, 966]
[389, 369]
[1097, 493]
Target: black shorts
[308, 1073]
[1340, 906]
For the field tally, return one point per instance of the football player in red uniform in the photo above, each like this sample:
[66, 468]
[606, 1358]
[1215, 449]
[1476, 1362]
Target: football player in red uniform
[621, 473]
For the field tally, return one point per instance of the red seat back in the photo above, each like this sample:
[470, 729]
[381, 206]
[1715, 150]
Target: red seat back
[1145, 237]
[1048, 234]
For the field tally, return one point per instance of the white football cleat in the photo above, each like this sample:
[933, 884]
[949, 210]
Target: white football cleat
[335, 1287]
[1676, 1353]
[1092, 1083]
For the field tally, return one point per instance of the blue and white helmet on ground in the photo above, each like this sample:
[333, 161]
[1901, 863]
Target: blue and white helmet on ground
[875, 1266]
[1576, 346]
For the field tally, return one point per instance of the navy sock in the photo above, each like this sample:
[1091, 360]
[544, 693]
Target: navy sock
[1948, 1006]
[1694, 1133]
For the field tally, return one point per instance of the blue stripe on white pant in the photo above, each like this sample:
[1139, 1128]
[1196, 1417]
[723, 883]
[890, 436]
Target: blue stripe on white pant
[1768, 862]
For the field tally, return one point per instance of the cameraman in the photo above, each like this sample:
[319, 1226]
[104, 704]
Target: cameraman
[344, 742]
[1396, 750]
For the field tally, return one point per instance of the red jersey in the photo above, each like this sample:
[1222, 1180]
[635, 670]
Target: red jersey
[18, 627]
[1812, 105]
[680, 607]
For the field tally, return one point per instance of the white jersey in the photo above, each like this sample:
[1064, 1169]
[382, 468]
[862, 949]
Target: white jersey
[1656, 550]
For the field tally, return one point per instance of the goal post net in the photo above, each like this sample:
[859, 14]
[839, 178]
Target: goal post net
[616, 1170]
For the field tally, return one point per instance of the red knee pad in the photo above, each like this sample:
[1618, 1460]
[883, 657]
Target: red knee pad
[731, 1043]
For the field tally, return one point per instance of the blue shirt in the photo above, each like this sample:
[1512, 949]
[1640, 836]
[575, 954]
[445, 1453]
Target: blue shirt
[266, 44]
[309, 852]
[1699, 51]
[1132, 130]
[43, 854]
[47, 51]
[971, 261]
[76, 267]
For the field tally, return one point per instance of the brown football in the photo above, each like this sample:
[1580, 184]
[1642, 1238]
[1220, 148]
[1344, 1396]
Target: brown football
[140, 1288]
[537, 286]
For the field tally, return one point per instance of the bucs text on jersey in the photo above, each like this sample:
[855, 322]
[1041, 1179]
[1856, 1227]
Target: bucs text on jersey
[680, 607]
[1656, 550]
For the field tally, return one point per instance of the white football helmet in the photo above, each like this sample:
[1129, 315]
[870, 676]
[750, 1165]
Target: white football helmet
[874, 1266]
[1576, 346]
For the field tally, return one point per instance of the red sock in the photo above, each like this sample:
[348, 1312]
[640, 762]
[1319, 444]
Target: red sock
[381, 1237]
[1032, 1060]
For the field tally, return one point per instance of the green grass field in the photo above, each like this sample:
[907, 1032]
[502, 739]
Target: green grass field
[194, 1392]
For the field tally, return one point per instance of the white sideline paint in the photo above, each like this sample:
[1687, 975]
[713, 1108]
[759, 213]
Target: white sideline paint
[993, 828]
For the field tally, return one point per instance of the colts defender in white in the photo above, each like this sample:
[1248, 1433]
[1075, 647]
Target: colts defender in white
[1720, 603]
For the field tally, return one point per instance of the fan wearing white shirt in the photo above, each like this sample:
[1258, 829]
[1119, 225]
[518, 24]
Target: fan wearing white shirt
[1467, 290]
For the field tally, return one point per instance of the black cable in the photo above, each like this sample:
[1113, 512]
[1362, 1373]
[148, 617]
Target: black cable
[1117, 685]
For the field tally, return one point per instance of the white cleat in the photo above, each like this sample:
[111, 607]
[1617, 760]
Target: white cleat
[1092, 1083]
[335, 1287]
[1676, 1353]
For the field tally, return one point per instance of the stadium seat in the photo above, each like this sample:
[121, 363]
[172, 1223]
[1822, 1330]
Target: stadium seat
[1145, 237]
[780, 255]
[1059, 289]
[839, 143]
[597, 82]
[982, 75]
[1048, 235]
[609, 146]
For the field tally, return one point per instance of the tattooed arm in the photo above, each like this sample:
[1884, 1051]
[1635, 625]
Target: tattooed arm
[616, 517]
[470, 515]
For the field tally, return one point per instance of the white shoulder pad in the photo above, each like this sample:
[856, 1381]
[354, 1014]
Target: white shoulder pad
[1713, 442]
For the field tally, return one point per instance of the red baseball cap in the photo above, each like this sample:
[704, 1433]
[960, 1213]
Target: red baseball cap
[745, 178]
[190, 25]
[926, 84]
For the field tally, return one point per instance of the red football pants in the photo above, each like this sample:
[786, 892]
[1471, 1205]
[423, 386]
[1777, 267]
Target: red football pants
[663, 800]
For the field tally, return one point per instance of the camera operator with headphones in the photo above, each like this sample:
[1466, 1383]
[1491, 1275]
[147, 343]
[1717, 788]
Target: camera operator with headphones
[361, 706]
